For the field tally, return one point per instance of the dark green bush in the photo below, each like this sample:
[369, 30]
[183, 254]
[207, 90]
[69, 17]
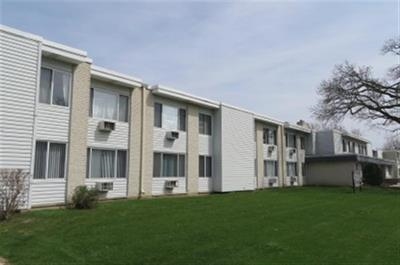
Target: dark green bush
[85, 198]
[373, 175]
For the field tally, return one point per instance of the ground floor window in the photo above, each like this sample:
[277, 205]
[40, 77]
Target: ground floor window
[205, 166]
[49, 160]
[106, 163]
[303, 169]
[270, 168]
[168, 165]
[291, 169]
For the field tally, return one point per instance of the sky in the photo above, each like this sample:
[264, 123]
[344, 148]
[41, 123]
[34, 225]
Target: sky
[268, 57]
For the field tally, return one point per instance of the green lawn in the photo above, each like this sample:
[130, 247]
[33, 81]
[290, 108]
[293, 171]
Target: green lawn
[280, 226]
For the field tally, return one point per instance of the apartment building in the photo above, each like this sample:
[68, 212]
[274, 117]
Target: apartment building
[338, 157]
[393, 155]
[69, 123]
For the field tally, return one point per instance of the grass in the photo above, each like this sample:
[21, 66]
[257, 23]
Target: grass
[280, 226]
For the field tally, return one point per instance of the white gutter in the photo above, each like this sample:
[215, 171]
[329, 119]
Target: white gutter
[106, 74]
[175, 94]
[297, 128]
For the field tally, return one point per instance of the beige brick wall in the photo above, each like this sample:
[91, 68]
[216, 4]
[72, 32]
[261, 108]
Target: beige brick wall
[78, 128]
[147, 159]
[192, 149]
[259, 155]
[135, 140]
[282, 155]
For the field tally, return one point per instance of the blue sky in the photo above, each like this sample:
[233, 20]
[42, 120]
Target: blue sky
[268, 57]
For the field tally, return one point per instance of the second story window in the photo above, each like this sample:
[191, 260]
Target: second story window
[269, 136]
[109, 105]
[290, 140]
[204, 124]
[168, 117]
[54, 87]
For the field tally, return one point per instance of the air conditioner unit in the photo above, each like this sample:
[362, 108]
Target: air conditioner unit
[104, 186]
[171, 184]
[106, 126]
[271, 149]
[272, 181]
[293, 180]
[292, 152]
[172, 135]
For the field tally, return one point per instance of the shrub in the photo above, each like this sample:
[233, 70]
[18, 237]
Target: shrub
[13, 191]
[373, 175]
[85, 198]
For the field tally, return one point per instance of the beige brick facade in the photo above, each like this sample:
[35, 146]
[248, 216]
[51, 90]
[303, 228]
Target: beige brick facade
[192, 149]
[135, 140]
[259, 155]
[80, 98]
[147, 139]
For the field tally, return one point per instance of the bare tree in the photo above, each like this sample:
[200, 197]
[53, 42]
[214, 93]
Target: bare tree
[392, 143]
[354, 91]
[13, 191]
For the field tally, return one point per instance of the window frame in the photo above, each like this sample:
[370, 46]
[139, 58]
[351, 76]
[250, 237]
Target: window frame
[115, 173]
[114, 93]
[204, 166]
[178, 156]
[46, 178]
[55, 69]
[211, 124]
[179, 110]
[275, 168]
[266, 133]
[295, 169]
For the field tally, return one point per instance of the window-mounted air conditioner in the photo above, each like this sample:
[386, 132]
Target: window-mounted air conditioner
[172, 135]
[292, 152]
[271, 149]
[106, 126]
[104, 186]
[272, 181]
[171, 184]
[293, 180]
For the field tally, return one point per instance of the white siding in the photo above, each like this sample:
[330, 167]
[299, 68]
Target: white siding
[205, 145]
[115, 139]
[52, 123]
[270, 155]
[19, 59]
[158, 186]
[47, 192]
[162, 144]
[205, 184]
[119, 189]
[237, 150]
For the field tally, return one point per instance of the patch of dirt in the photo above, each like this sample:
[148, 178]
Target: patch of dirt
[3, 261]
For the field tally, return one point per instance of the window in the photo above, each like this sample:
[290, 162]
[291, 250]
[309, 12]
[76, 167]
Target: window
[269, 136]
[303, 169]
[302, 143]
[204, 124]
[169, 165]
[105, 163]
[205, 166]
[344, 146]
[54, 87]
[157, 115]
[168, 117]
[109, 105]
[270, 168]
[291, 169]
[49, 160]
[182, 119]
[290, 140]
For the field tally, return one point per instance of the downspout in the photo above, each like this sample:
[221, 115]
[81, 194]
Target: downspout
[34, 125]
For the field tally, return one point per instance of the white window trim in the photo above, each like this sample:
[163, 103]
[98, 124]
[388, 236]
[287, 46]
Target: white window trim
[211, 124]
[177, 117]
[56, 69]
[89, 174]
[46, 179]
[177, 164]
[114, 93]
[205, 166]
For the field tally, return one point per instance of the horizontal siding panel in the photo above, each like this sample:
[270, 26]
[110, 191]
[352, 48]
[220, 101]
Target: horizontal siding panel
[205, 145]
[47, 192]
[119, 191]
[158, 186]
[18, 73]
[52, 123]
[115, 139]
[161, 144]
[205, 184]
